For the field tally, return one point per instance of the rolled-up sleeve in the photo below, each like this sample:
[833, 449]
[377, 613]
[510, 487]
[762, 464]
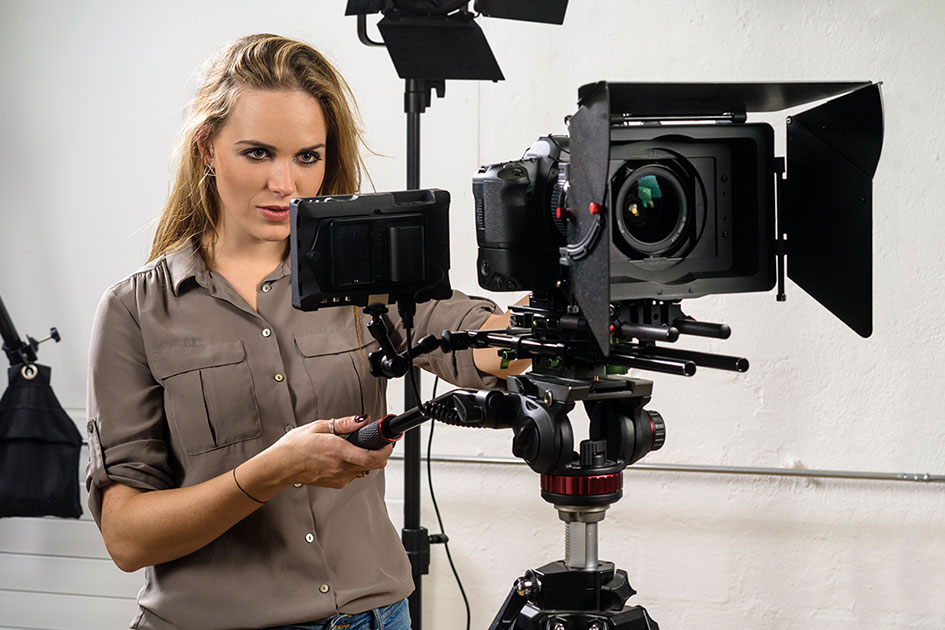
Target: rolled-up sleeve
[459, 312]
[126, 425]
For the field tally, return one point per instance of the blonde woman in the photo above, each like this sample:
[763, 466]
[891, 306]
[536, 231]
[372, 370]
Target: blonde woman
[215, 408]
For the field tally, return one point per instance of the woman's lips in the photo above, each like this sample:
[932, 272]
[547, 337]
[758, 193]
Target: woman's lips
[275, 213]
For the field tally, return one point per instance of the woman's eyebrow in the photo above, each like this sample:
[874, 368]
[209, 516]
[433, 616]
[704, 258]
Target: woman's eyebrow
[269, 147]
[257, 143]
[320, 145]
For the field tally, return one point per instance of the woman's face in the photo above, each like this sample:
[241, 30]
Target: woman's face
[270, 150]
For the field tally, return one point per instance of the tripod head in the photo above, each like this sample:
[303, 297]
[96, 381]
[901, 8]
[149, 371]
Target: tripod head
[580, 590]
[581, 485]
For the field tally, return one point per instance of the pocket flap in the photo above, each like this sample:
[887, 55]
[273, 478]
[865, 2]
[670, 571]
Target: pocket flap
[167, 362]
[317, 344]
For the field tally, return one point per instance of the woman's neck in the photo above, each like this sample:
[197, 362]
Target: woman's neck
[246, 265]
[247, 254]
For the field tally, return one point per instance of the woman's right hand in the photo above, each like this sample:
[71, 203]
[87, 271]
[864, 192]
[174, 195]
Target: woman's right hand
[148, 528]
[314, 456]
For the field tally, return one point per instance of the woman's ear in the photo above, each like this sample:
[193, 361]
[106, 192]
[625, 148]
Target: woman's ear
[205, 146]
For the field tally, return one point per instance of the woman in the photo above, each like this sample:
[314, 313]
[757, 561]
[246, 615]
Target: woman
[213, 403]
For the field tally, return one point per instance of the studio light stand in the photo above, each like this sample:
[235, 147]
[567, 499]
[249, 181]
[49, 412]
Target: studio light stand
[430, 42]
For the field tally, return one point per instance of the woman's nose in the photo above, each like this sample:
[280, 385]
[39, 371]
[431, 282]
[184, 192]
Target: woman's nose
[280, 179]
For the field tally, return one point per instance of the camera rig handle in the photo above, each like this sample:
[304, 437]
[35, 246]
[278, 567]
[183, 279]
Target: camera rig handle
[460, 407]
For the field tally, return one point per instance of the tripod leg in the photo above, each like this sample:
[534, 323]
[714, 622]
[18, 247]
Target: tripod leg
[512, 606]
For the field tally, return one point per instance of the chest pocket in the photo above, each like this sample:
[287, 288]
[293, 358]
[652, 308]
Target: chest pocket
[340, 374]
[208, 394]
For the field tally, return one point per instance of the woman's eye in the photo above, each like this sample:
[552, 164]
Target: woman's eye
[257, 154]
[309, 157]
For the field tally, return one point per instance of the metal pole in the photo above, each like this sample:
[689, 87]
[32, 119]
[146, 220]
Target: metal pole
[414, 535]
[721, 470]
[17, 350]
[7, 330]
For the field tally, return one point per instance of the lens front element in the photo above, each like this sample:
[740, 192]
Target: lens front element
[652, 211]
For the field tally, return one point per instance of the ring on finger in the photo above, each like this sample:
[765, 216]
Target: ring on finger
[331, 426]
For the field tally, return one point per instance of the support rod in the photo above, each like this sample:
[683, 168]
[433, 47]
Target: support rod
[718, 470]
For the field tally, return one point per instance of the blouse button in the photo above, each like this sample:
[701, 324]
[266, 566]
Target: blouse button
[309, 537]
[324, 588]
[266, 332]
[287, 428]
[266, 288]
[296, 485]
[278, 378]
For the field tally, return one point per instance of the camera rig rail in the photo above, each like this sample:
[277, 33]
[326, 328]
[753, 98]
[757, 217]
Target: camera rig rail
[559, 345]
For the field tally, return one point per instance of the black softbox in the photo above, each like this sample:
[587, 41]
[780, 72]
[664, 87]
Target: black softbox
[39, 448]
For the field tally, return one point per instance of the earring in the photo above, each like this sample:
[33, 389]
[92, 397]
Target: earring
[208, 171]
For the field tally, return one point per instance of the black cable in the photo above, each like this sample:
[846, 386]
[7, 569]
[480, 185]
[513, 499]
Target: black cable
[436, 508]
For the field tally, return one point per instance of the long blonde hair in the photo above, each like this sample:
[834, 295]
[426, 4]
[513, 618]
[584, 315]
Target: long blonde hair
[262, 62]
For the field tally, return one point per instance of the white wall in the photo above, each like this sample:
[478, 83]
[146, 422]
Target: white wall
[92, 94]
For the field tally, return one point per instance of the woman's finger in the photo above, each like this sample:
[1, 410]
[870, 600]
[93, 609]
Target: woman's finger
[363, 459]
[323, 426]
[339, 426]
[350, 424]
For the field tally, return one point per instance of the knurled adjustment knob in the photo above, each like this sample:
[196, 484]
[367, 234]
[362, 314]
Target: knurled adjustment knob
[593, 453]
[467, 411]
[659, 429]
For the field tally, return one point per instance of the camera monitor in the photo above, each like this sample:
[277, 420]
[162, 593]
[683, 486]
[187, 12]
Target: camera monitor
[377, 248]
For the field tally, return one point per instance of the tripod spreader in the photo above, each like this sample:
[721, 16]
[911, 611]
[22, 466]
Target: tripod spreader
[555, 597]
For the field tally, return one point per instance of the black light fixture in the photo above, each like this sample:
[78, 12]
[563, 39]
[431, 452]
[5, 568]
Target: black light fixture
[436, 40]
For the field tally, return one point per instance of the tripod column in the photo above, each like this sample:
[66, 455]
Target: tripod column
[580, 538]
[580, 546]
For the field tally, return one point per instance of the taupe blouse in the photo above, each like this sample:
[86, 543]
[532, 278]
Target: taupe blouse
[186, 381]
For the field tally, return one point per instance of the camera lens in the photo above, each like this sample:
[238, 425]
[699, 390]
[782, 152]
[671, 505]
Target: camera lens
[652, 211]
[650, 215]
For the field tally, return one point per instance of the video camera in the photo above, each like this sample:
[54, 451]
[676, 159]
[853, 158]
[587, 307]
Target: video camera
[664, 192]
[659, 193]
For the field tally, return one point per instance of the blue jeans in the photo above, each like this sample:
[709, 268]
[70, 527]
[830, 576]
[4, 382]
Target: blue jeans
[393, 617]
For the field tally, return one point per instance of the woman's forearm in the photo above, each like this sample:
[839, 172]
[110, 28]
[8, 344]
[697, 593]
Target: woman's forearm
[147, 528]
[487, 360]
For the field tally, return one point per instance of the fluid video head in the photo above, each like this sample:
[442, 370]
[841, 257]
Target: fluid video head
[665, 191]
